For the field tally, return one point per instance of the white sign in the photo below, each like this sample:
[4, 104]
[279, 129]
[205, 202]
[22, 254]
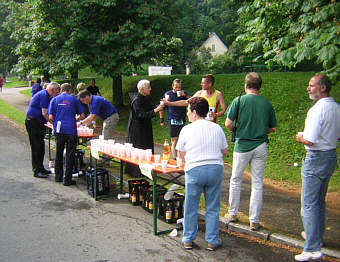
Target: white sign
[146, 170]
[159, 70]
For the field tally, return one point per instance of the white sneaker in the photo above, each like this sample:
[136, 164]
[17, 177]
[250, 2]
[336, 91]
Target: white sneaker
[307, 256]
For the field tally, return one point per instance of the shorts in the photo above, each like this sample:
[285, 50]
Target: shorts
[174, 130]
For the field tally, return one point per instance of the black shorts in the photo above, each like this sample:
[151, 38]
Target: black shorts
[174, 130]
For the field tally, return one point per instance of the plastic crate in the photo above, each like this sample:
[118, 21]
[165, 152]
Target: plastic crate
[102, 182]
[172, 209]
[136, 191]
[148, 198]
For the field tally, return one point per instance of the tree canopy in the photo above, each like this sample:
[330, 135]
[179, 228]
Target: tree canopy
[293, 31]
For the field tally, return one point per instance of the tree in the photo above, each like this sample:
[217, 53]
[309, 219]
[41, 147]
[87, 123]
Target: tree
[7, 56]
[293, 31]
[117, 36]
[112, 37]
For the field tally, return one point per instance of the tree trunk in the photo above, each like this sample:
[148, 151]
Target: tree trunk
[74, 73]
[117, 91]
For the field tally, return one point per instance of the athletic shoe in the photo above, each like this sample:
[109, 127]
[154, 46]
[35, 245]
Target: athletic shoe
[307, 256]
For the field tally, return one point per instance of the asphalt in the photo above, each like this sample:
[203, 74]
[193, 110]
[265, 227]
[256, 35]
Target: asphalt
[280, 217]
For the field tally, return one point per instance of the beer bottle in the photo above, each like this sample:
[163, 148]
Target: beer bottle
[176, 210]
[133, 195]
[168, 212]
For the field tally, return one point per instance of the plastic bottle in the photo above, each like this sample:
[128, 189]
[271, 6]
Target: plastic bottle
[166, 149]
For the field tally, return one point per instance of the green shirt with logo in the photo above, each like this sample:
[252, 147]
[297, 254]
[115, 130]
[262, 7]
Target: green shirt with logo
[256, 116]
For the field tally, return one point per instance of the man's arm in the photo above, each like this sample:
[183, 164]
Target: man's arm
[220, 101]
[161, 116]
[44, 113]
[229, 124]
[88, 120]
[51, 118]
[300, 139]
[271, 130]
[176, 103]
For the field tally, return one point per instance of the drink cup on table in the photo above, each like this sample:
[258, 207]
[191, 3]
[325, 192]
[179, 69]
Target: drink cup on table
[157, 158]
[179, 161]
[164, 163]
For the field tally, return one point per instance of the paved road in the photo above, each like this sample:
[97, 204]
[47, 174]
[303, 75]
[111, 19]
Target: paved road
[41, 220]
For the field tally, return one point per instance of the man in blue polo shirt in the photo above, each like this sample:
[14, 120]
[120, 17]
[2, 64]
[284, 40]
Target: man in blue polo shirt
[62, 113]
[102, 108]
[176, 115]
[36, 117]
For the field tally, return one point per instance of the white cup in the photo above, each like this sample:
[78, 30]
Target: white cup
[179, 161]
[179, 93]
[157, 158]
[300, 133]
[164, 163]
[167, 97]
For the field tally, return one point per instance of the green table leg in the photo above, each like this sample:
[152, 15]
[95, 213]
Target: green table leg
[121, 176]
[95, 179]
[154, 200]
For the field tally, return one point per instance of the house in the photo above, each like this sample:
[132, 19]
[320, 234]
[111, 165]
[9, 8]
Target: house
[215, 44]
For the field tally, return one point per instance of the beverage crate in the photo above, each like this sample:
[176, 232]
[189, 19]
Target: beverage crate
[103, 182]
[136, 191]
[172, 209]
[148, 198]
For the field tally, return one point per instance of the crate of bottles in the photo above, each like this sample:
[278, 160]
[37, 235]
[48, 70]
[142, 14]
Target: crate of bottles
[148, 197]
[136, 191]
[102, 181]
[171, 210]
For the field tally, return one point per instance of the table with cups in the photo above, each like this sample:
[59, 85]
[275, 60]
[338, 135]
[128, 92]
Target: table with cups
[152, 166]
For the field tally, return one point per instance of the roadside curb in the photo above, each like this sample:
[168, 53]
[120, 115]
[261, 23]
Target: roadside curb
[267, 235]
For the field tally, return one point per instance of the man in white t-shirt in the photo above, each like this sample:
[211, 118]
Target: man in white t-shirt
[320, 137]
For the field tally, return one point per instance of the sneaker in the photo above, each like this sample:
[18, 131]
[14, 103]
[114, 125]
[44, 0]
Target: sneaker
[212, 247]
[187, 245]
[307, 256]
[230, 218]
[40, 175]
[254, 226]
[303, 235]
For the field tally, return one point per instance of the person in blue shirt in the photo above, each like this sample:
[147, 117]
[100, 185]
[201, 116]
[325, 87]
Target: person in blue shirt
[36, 87]
[176, 115]
[62, 113]
[36, 117]
[102, 108]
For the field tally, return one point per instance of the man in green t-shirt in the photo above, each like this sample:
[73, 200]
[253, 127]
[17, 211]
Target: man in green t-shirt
[255, 120]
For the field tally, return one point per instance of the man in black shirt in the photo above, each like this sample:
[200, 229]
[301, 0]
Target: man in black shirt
[93, 89]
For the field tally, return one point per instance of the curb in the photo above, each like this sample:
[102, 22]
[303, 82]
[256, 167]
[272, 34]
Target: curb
[267, 235]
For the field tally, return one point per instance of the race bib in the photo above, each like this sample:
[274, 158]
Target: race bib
[175, 122]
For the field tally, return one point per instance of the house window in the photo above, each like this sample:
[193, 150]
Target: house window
[213, 48]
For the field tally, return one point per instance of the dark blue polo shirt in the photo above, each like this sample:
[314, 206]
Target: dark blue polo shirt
[101, 107]
[39, 100]
[64, 108]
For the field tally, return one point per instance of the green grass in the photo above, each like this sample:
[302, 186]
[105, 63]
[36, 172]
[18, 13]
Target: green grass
[12, 113]
[14, 82]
